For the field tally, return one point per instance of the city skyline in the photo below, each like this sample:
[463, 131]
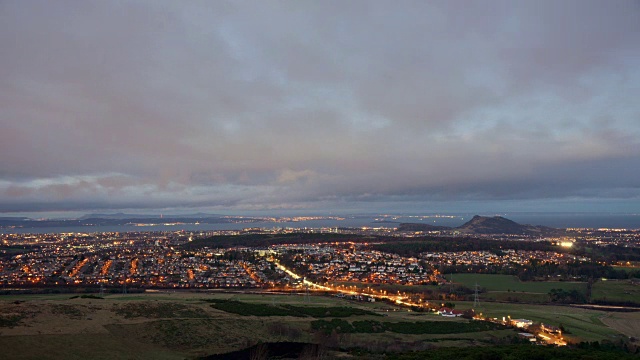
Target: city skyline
[319, 107]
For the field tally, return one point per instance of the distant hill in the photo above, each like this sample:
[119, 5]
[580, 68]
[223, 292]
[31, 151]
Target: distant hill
[122, 216]
[14, 218]
[116, 216]
[499, 225]
[120, 219]
[421, 227]
[479, 225]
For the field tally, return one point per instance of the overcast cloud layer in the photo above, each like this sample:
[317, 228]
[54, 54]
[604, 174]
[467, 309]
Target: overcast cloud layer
[318, 105]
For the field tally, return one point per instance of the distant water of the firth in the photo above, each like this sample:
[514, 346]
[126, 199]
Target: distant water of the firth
[556, 220]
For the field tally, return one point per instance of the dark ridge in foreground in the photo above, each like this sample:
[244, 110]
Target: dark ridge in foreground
[278, 350]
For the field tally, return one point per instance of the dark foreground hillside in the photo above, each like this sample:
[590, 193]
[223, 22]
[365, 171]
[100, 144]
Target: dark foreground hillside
[186, 325]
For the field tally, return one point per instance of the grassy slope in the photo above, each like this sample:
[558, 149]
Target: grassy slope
[101, 332]
[81, 346]
[583, 324]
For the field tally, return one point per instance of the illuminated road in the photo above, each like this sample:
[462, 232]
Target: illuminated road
[397, 299]
[400, 300]
[296, 276]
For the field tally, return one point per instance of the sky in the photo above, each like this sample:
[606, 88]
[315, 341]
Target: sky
[319, 106]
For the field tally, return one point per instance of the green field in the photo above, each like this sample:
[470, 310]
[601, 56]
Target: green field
[505, 288]
[583, 324]
[515, 297]
[628, 269]
[615, 291]
[511, 283]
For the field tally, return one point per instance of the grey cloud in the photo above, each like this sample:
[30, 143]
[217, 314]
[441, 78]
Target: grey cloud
[304, 105]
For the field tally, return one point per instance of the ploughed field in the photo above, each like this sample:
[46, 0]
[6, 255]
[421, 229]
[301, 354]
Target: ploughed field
[187, 325]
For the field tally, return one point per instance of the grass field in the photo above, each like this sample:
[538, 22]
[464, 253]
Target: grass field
[499, 287]
[82, 346]
[628, 269]
[511, 283]
[583, 324]
[617, 291]
[180, 325]
[523, 297]
[168, 325]
[509, 288]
